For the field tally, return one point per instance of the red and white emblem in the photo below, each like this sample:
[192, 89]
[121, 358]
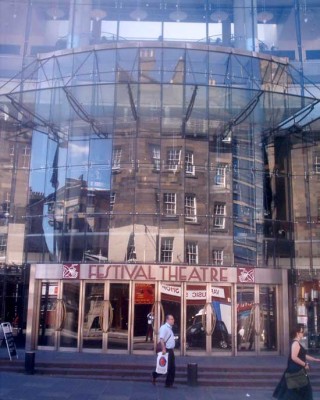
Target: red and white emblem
[71, 271]
[245, 275]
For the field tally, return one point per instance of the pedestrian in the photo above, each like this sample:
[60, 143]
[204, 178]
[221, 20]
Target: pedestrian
[166, 338]
[297, 361]
[150, 319]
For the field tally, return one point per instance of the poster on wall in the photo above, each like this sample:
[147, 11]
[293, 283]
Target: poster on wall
[144, 294]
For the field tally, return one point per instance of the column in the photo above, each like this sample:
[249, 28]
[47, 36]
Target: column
[245, 24]
[79, 23]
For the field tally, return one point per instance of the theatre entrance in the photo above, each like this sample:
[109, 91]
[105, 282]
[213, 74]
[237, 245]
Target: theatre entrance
[126, 316]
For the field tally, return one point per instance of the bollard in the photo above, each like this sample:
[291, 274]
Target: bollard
[192, 374]
[29, 362]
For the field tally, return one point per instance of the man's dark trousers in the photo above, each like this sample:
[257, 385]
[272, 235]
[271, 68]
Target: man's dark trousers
[171, 369]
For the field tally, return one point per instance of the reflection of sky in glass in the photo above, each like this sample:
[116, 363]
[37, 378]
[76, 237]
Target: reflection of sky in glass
[87, 159]
[78, 152]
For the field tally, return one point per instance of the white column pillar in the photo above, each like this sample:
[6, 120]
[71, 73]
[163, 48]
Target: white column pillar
[79, 23]
[245, 24]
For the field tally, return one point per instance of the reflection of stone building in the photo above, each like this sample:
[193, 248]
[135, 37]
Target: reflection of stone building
[185, 164]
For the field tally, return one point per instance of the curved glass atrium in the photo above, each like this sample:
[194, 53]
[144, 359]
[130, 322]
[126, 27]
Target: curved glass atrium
[162, 132]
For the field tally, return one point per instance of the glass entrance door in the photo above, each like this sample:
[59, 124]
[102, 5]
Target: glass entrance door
[208, 318]
[196, 299]
[93, 316]
[170, 303]
[145, 311]
[119, 321]
[69, 333]
[48, 323]
[58, 321]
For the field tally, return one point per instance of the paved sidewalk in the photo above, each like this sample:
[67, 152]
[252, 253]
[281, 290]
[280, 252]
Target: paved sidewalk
[32, 387]
[20, 386]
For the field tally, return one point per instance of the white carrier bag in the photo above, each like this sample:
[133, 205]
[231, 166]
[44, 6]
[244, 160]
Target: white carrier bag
[162, 363]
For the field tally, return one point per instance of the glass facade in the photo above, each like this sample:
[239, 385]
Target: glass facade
[160, 168]
[161, 133]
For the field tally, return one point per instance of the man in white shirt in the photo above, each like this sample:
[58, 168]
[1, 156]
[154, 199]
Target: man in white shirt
[166, 338]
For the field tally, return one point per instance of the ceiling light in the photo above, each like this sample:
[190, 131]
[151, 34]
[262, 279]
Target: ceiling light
[178, 15]
[55, 13]
[98, 14]
[219, 16]
[138, 14]
[264, 16]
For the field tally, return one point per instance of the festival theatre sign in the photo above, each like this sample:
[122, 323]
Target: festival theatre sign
[160, 272]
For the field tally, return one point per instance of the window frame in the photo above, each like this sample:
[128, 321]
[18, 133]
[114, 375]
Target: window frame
[220, 175]
[113, 196]
[3, 245]
[173, 159]
[116, 158]
[190, 207]
[189, 167]
[156, 157]
[166, 250]
[317, 163]
[192, 253]
[169, 203]
[219, 215]
[217, 257]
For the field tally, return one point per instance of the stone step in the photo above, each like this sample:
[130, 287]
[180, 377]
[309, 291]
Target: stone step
[254, 377]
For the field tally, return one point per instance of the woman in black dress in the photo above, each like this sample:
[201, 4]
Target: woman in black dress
[298, 359]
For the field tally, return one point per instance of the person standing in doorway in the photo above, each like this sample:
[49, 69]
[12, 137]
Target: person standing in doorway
[166, 338]
[150, 319]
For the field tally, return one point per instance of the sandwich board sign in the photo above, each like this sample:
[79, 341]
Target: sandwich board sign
[6, 333]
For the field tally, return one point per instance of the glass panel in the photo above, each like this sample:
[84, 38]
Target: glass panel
[39, 150]
[215, 33]
[268, 319]
[122, 237]
[78, 152]
[83, 67]
[140, 29]
[118, 332]
[222, 327]
[106, 65]
[150, 108]
[173, 66]
[146, 229]
[128, 65]
[196, 233]
[48, 319]
[70, 298]
[37, 183]
[126, 110]
[99, 177]
[183, 31]
[93, 315]
[109, 28]
[245, 318]
[195, 331]
[100, 151]
[171, 304]
[196, 112]
[144, 313]
[197, 67]
[97, 245]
